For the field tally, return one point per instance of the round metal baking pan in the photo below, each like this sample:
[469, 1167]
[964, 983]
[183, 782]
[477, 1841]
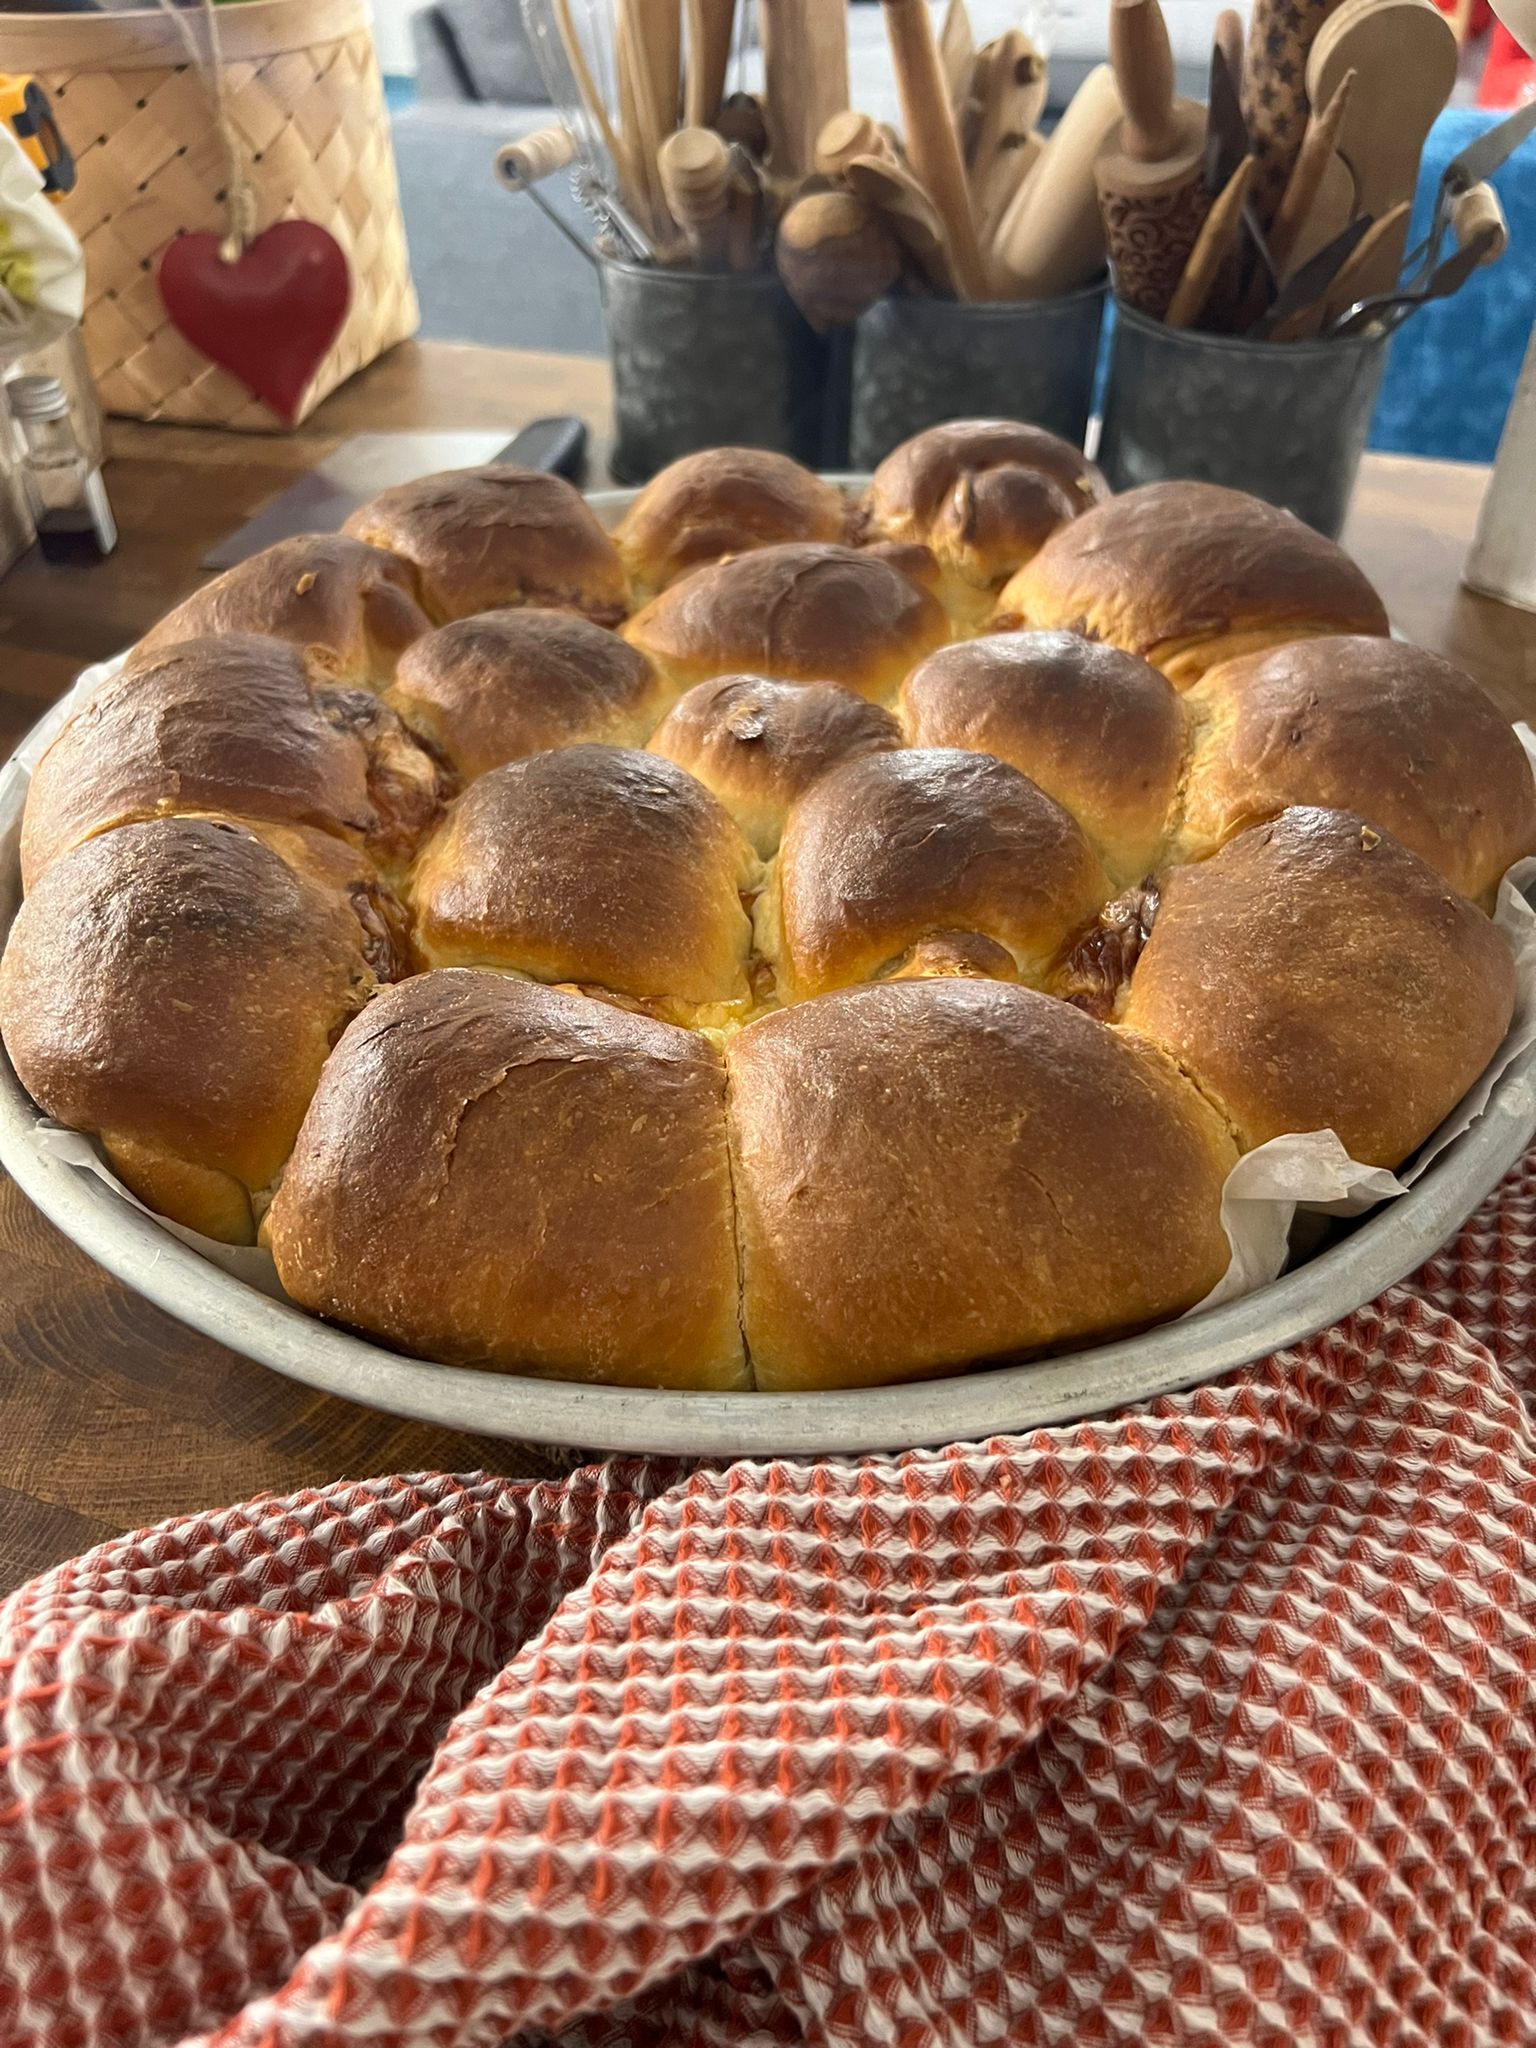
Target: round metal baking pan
[1382, 1249]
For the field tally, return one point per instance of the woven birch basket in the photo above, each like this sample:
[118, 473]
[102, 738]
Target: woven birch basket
[306, 103]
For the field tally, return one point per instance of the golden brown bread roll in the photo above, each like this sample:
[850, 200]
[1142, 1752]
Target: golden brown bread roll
[174, 988]
[595, 865]
[722, 502]
[759, 745]
[947, 1170]
[494, 1173]
[802, 613]
[1190, 575]
[893, 849]
[231, 726]
[352, 609]
[1315, 974]
[1100, 730]
[984, 495]
[495, 687]
[500, 535]
[1367, 725]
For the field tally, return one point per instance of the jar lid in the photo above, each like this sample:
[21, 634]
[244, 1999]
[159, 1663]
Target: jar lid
[37, 398]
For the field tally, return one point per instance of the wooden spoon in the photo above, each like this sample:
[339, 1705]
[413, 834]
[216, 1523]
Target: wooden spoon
[915, 220]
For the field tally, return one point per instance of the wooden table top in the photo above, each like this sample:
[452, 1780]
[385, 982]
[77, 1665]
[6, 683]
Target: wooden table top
[111, 1414]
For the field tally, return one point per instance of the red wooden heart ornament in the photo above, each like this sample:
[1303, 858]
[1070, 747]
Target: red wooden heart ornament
[270, 317]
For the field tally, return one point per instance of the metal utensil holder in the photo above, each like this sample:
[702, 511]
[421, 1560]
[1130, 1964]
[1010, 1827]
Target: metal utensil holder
[703, 359]
[920, 361]
[1286, 420]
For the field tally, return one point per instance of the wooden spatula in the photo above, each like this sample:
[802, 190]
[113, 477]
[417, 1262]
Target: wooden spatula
[1404, 55]
[1151, 174]
[1051, 237]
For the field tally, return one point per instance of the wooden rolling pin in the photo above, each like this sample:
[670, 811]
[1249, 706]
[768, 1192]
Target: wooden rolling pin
[537, 156]
[1051, 236]
[932, 143]
[695, 168]
[1151, 175]
[1274, 92]
[836, 255]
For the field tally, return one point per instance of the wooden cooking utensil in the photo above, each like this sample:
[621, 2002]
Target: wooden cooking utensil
[1216, 241]
[846, 136]
[914, 219]
[1228, 38]
[660, 37]
[1151, 174]
[805, 76]
[695, 168]
[710, 26]
[1404, 52]
[534, 157]
[1274, 92]
[1308, 173]
[932, 143]
[640, 119]
[1346, 289]
[1010, 167]
[1051, 237]
[633, 183]
[836, 255]
[1476, 215]
[957, 50]
[1014, 100]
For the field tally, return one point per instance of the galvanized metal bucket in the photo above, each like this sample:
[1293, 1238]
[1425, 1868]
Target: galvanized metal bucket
[1286, 420]
[918, 362]
[702, 359]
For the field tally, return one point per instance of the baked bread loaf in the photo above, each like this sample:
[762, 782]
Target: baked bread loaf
[893, 851]
[802, 613]
[1314, 974]
[174, 988]
[501, 1174]
[231, 726]
[1190, 575]
[951, 1170]
[722, 501]
[1100, 730]
[484, 538]
[352, 610]
[1367, 725]
[597, 865]
[983, 495]
[492, 688]
[759, 745]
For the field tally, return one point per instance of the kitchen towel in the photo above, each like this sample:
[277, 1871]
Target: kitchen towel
[1213, 1722]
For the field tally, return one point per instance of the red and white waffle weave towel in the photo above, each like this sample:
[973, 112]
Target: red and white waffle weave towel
[1213, 1723]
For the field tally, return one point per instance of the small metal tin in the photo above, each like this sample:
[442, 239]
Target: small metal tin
[1286, 420]
[920, 361]
[704, 359]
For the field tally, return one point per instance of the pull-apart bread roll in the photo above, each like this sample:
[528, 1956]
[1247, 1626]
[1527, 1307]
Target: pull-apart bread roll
[1189, 575]
[1100, 730]
[723, 501]
[231, 726]
[983, 495]
[594, 865]
[805, 613]
[759, 745]
[351, 609]
[174, 988]
[945, 1171]
[1365, 725]
[484, 538]
[925, 861]
[1315, 974]
[494, 1173]
[504, 684]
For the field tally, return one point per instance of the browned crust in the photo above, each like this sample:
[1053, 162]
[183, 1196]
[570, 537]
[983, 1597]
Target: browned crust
[759, 745]
[1100, 730]
[175, 987]
[591, 864]
[1315, 974]
[494, 536]
[500, 1174]
[804, 613]
[984, 495]
[1178, 571]
[936, 1171]
[1368, 725]
[489, 689]
[353, 609]
[723, 501]
[229, 725]
[892, 848]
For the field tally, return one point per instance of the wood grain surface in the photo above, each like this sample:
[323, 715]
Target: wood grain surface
[111, 1414]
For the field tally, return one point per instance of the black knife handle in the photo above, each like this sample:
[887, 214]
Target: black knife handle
[558, 445]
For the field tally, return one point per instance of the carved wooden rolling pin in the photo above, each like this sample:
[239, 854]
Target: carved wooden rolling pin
[1151, 176]
[1280, 33]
